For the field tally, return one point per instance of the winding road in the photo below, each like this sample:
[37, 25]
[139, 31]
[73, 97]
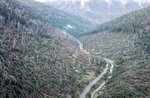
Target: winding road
[87, 89]
[111, 71]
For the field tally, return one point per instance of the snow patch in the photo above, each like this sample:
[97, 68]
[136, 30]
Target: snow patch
[69, 27]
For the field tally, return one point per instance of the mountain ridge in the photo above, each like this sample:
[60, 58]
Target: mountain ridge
[98, 11]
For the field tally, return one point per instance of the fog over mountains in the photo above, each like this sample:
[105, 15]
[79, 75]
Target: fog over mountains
[98, 11]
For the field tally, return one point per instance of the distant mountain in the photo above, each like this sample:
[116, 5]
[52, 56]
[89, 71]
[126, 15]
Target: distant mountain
[73, 24]
[98, 11]
[125, 40]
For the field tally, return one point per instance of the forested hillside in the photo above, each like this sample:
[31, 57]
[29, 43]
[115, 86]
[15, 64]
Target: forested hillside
[36, 59]
[126, 41]
[73, 24]
[39, 59]
[130, 23]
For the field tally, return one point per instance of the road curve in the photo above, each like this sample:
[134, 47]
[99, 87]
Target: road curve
[111, 71]
[89, 86]
[92, 95]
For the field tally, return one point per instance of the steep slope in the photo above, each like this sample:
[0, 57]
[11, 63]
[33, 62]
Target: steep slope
[125, 40]
[36, 59]
[98, 11]
[73, 24]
